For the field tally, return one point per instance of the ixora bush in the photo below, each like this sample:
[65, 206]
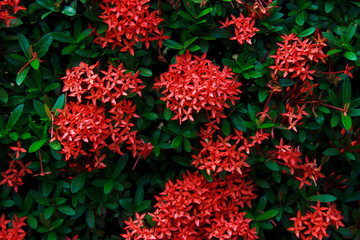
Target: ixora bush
[179, 119]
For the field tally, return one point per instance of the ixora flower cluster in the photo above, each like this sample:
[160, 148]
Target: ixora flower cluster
[195, 83]
[15, 232]
[194, 208]
[84, 126]
[315, 223]
[129, 22]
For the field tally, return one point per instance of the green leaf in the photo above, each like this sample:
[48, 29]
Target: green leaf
[7, 203]
[32, 222]
[267, 215]
[307, 32]
[62, 37]
[331, 152]
[90, 218]
[262, 183]
[143, 206]
[301, 18]
[335, 119]
[49, 212]
[329, 5]
[4, 97]
[183, 161]
[350, 55]
[42, 47]
[150, 115]
[346, 91]
[176, 141]
[69, 11]
[272, 165]
[186, 144]
[24, 44]
[347, 122]
[322, 198]
[78, 182]
[190, 41]
[206, 175]
[204, 12]
[48, 4]
[251, 113]
[35, 63]
[60, 102]
[69, 49]
[120, 165]
[108, 186]
[225, 127]
[22, 75]
[350, 32]
[167, 114]
[145, 72]
[332, 39]
[263, 93]
[172, 44]
[127, 203]
[175, 128]
[55, 145]
[67, 210]
[333, 51]
[14, 117]
[36, 145]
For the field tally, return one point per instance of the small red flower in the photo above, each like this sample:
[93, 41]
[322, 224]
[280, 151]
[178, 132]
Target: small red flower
[191, 85]
[13, 175]
[18, 149]
[15, 232]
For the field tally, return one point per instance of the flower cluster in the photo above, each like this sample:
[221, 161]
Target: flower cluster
[7, 8]
[15, 232]
[195, 84]
[129, 22]
[294, 57]
[194, 208]
[291, 157]
[13, 175]
[88, 127]
[258, 9]
[225, 153]
[315, 223]
[244, 28]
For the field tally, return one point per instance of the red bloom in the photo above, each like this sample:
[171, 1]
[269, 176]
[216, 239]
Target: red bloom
[129, 22]
[315, 223]
[195, 84]
[13, 175]
[8, 7]
[194, 208]
[244, 28]
[15, 232]
[18, 149]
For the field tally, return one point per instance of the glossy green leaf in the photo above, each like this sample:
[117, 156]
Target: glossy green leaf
[177, 141]
[350, 55]
[78, 182]
[69, 11]
[14, 117]
[36, 145]
[108, 186]
[90, 218]
[172, 44]
[24, 44]
[32, 222]
[322, 198]
[267, 215]
[225, 127]
[67, 210]
[42, 47]
[22, 75]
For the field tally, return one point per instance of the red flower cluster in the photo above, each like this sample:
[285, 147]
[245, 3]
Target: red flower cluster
[85, 128]
[315, 223]
[291, 157]
[258, 9]
[244, 28]
[8, 7]
[15, 232]
[194, 208]
[294, 57]
[13, 175]
[225, 153]
[129, 22]
[195, 84]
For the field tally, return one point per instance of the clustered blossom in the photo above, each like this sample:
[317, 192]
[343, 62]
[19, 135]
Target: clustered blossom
[129, 22]
[291, 157]
[100, 117]
[7, 8]
[195, 83]
[315, 223]
[257, 9]
[225, 153]
[244, 28]
[15, 232]
[194, 208]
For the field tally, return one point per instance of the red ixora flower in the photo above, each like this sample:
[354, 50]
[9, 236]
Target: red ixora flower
[195, 83]
[8, 7]
[315, 223]
[129, 22]
[15, 232]
[100, 117]
[13, 175]
[244, 28]
[194, 208]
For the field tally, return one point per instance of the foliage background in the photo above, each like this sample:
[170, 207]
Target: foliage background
[94, 205]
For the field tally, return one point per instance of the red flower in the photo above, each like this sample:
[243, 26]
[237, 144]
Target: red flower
[315, 223]
[244, 28]
[194, 208]
[129, 22]
[15, 232]
[195, 84]
[18, 149]
[8, 7]
[13, 175]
